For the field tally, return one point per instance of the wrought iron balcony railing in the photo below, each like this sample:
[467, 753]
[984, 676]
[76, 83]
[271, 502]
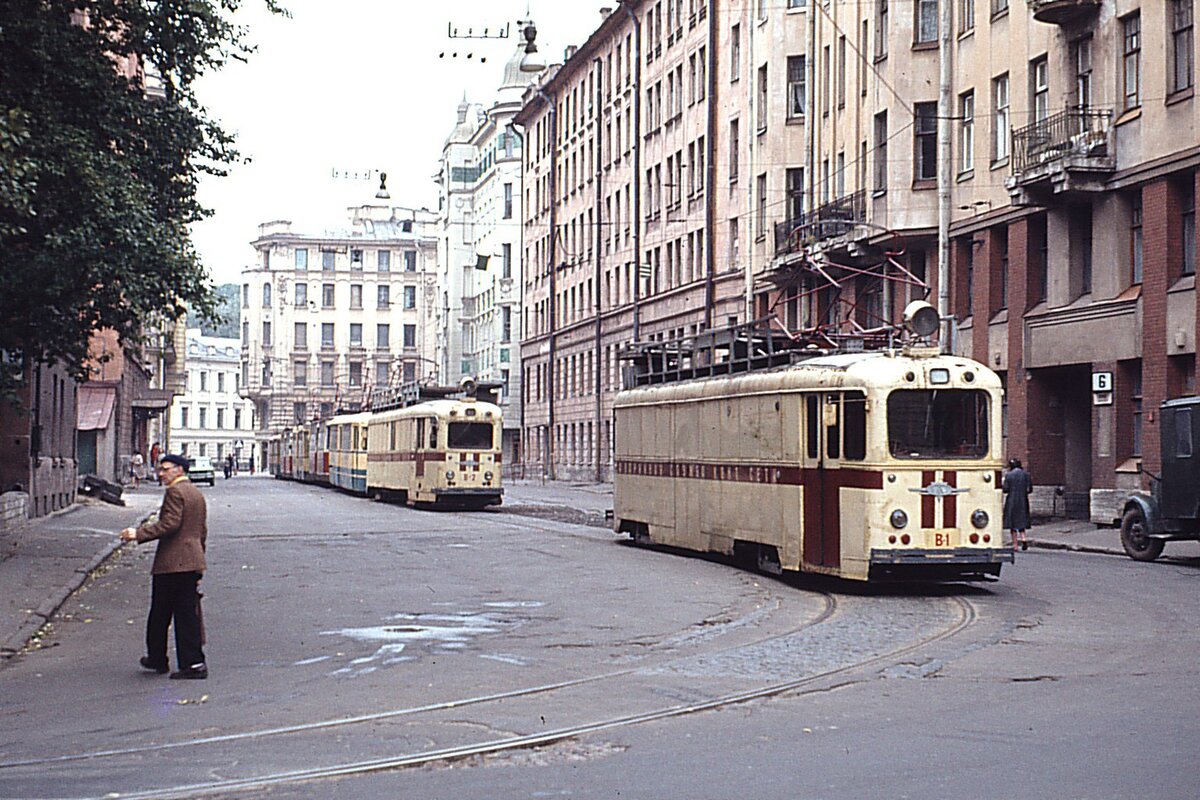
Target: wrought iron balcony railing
[1081, 131]
[835, 218]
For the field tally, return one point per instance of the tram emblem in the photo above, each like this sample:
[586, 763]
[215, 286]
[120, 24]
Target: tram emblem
[940, 489]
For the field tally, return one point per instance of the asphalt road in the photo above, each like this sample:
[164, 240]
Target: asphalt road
[391, 644]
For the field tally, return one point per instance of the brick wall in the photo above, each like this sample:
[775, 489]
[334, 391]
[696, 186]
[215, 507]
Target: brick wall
[1161, 254]
[1018, 292]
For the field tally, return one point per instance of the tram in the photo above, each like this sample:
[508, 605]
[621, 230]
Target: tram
[347, 451]
[870, 465]
[442, 452]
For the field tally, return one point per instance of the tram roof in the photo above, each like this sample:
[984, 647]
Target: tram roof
[358, 417]
[862, 370]
[441, 408]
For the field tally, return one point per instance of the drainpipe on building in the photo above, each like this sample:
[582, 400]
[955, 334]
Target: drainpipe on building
[710, 179]
[597, 387]
[810, 108]
[637, 169]
[553, 139]
[945, 153]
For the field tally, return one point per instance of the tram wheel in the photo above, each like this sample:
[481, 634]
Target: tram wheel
[1135, 537]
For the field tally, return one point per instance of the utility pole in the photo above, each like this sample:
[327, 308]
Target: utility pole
[945, 167]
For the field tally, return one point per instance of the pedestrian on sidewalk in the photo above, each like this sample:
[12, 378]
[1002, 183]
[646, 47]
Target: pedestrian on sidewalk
[182, 533]
[1017, 488]
[155, 454]
[136, 468]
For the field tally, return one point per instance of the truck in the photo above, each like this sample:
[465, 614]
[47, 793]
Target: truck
[1171, 510]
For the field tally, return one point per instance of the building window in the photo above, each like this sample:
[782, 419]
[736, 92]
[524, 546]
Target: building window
[761, 216]
[1081, 51]
[999, 6]
[410, 335]
[734, 243]
[1187, 209]
[266, 337]
[237, 419]
[966, 15]
[797, 86]
[327, 295]
[1001, 238]
[301, 258]
[327, 373]
[327, 260]
[383, 260]
[925, 139]
[300, 334]
[1182, 56]
[881, 152]
[508, 201]
[410, 297]
[300, 371]
[1131, 61]
[734, 146]
[881, 29]
[926, 26]
[356, 373]
[203, 417]
[266, 295]
[1001, 125]
[1136, 408]
[356, 295]
[301, 295]
[383, 298]
[735, 53]
[506, 324]
[356, 334]
[795, 194]
[506, 260]
[183, 416]
[410, 260]
[1039, 89]
[220, 381]
[762, 98]
[326, 334]
[356, 260]
[841, 72]
[966, 130]
[1135, 237]
[383, 335]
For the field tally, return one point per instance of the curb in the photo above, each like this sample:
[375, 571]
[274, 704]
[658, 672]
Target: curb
[1077, 548]
[17, 642]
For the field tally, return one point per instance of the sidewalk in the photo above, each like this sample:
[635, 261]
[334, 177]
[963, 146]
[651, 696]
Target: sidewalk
[48, 558]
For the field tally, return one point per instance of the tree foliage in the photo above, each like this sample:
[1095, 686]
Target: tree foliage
[98, 176]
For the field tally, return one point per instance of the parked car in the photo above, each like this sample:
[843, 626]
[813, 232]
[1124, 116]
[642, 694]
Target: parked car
[201, 470]
[1171, 511]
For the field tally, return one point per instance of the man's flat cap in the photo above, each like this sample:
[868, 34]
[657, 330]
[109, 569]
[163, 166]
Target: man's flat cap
[172, 458]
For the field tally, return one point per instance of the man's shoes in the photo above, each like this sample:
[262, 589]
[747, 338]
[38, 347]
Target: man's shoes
[196, 672]
[154, 666]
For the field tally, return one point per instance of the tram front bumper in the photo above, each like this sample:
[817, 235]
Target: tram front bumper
[957, 564]
[957, 555]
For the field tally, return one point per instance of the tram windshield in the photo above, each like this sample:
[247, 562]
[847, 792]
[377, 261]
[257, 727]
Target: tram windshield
[938, 423]
[470, 436]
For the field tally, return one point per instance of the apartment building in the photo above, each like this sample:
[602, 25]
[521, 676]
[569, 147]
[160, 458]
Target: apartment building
[1070, 146]
[210, 418]
[327, 318]
[479, 241]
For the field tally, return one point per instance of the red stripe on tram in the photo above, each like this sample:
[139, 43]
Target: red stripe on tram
[950, 502]
[928, 504]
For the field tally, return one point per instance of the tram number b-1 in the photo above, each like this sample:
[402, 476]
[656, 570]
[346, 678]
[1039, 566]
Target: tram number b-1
[942, 538]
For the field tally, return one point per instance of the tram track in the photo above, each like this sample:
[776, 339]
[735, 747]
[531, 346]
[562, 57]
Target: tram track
[964, 615]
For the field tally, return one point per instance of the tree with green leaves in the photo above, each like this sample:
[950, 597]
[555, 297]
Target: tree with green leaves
[99, 168]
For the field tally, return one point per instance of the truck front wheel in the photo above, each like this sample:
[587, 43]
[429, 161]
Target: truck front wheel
[1135, 537]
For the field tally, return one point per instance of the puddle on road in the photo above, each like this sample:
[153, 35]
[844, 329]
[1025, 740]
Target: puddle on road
[407, 636]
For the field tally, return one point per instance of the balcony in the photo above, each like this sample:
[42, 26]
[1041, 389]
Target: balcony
[1069, 152]
[1062, 12]
[831, 220]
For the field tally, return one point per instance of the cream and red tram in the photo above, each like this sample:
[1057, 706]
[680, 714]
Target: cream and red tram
[442, 452]
[876, 465]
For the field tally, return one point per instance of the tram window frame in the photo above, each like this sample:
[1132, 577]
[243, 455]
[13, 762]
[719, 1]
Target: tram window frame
[854, 427]
[420, 433]
[468, 436]
[979, 424]
[812, 424]
[433, 434]
[833, 432]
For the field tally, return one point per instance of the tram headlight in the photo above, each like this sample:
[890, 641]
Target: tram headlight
[979, 518]
[899, 519]
[487, 476]
[449, 475]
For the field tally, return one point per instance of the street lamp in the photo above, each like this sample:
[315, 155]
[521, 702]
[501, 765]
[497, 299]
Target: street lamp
[532, 61]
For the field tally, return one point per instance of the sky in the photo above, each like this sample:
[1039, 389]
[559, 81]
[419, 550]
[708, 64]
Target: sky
[354, 87]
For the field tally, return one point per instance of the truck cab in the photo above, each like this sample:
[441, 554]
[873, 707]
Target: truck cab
[1171, 512]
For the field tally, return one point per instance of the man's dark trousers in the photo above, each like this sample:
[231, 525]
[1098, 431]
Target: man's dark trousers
[173, 595]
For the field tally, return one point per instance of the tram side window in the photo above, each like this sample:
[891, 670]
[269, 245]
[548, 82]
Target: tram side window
[420, 432]
[854, 416]
[392, 435]
[433, 426]
[812, 430]
[833, 432]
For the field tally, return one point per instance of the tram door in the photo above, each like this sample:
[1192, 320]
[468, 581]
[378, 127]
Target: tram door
[823, 451]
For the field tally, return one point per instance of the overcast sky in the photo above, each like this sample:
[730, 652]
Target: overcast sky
[354, 86]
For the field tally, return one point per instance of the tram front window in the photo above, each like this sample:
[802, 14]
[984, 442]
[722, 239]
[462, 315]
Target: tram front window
[470, 436]
[938, 423]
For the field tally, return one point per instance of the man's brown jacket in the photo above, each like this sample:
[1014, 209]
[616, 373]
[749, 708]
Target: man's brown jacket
[181, 530]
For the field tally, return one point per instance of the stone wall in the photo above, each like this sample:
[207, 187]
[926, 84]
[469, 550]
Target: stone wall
[14, 510]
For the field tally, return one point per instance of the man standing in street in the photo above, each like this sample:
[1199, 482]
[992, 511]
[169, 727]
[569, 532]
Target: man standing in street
[182, 531]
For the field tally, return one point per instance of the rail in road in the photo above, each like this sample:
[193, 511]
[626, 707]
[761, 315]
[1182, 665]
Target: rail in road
[842, 638]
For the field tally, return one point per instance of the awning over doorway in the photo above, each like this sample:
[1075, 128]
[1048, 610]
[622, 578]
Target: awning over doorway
[154, 399]
[95, 407]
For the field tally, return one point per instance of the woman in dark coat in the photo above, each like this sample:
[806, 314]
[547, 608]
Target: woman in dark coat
[1017, 488]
